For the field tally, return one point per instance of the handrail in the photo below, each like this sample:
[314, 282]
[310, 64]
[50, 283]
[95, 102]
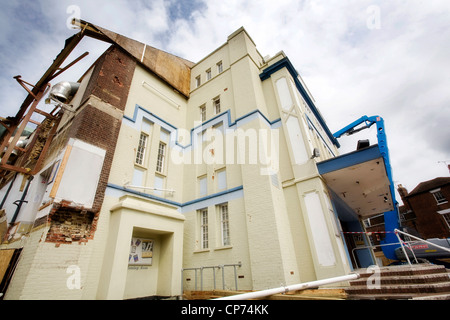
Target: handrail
[370, 247]
[414, 237]
[221, 266]
[396, 231]
[295, 287]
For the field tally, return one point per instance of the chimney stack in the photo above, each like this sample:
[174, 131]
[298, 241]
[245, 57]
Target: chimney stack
[403, 192]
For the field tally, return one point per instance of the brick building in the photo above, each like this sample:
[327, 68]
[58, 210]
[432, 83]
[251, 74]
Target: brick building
[152, 171]
[429, 201]
[425, 213]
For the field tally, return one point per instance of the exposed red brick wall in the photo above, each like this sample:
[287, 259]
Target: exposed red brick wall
[71, 224]
[111, 78]
[99, 129]
[430, 224]
[110, 82]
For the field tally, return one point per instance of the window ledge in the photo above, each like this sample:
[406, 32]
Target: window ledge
[161, 174]
[140, 166]
[223, 248]
[202, 250]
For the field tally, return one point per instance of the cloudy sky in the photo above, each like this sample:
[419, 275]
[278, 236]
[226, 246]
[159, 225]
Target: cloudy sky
[358, 57]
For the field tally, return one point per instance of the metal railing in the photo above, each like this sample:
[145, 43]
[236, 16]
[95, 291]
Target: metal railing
[419, 239]
[403, 244]
[369, 247]
[221, 266]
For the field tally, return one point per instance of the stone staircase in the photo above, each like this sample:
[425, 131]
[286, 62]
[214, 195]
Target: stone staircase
[418, 282]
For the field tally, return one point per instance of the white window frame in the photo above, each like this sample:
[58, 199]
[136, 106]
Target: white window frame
[224, 224]
[202, 186]
[219, 67]
[141, 149]
[204, 229]
[198, 81]
[446, 217]
[216, 104]
[203, 113]
[208, 74]
[438, 196]
[160, 160]
[221, 179]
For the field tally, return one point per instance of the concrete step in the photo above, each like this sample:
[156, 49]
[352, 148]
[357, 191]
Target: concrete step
[433, 297]
[443, 287]
[399, 296]
[404, 279]
[401, 282]
[405, 270]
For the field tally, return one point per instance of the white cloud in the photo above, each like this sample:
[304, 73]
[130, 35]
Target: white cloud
[399, 71]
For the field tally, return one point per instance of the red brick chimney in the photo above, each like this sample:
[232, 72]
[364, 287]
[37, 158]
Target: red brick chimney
[403, 192]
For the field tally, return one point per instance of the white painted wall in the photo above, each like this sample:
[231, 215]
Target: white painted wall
[81, 174]
[320, 234]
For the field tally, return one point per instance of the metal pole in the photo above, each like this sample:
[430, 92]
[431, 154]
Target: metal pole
[403, 248]
[235, 277]
[195, 279]
[201, 278]
[431, 243]
[301, 286]
[182, 279]
[223, 277]
[370, 247]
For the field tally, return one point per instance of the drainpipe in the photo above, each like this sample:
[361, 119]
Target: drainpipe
[19, 203]
[7, 191]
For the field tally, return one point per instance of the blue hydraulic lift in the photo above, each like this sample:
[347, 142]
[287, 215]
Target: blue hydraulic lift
[391, 218]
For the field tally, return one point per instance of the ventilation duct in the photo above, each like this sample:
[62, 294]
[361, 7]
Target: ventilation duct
[63, 91]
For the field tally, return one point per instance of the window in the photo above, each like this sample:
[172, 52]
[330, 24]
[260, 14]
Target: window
[446, 217]
[216, 105]
[219, 67]
[138, 177]
[161, 156]
[203, 186]
[140, 153]
[224, 224]
[204, 228]
[221, 180]
[198, 82]
[438, 196]
[208, 74]
[159, 185]
[203, 113]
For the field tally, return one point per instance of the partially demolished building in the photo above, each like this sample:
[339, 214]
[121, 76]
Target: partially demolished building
[152, 169]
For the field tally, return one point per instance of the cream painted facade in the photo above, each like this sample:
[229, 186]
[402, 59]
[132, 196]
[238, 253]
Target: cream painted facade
[224, 184]
[282, 228]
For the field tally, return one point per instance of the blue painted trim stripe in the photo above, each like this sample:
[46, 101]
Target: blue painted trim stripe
[320, 135]
[174, 203]
[350, 159]
[226, 114]
[285, 63]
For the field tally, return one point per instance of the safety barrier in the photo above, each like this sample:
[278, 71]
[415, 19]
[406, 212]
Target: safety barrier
[367, 232]
[417, 238]
[221, 266]
[404, 244]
